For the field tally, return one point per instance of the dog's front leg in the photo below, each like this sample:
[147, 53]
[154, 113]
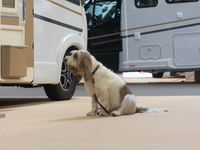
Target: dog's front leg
[104, 103]
[94, 110]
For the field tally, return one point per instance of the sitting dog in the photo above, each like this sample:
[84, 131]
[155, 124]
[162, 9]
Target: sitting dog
[104, 87]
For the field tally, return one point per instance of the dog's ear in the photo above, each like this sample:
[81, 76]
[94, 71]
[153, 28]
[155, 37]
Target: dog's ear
[88, 71]
[86, 63]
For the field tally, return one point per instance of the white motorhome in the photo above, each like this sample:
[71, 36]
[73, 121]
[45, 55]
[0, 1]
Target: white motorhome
[145, 35]
[35, 36]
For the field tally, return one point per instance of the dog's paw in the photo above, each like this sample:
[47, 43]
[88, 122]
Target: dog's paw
[92, 113]
[115, 113]
[102, 113]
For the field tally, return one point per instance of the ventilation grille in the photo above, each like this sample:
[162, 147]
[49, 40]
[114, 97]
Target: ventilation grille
[8, 3]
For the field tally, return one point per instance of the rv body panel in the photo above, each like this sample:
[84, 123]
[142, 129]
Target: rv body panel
[53, 35]
[160, 38]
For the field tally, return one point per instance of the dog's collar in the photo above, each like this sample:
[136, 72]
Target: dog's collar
[93, 72]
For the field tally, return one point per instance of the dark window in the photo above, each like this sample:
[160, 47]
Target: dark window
[23, 10]
[8, 3]
[146, 3]
[77, 2]
[180, 1]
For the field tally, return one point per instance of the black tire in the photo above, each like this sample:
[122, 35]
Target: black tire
[158, 75]
[197, 76]
[65, 89]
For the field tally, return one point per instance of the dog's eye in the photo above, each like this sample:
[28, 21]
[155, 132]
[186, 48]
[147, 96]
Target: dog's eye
[75, 56]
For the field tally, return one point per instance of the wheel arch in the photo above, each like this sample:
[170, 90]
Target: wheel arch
[71, 42]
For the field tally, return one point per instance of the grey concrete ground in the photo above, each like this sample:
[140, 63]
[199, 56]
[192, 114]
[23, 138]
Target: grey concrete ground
[64, 125]
[36, 123]
[139, 86]
[155, 89]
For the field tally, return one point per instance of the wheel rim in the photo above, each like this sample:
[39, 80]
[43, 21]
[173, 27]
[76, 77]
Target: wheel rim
[66, 78]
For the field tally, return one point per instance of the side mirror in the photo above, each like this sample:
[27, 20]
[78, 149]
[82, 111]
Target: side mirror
[89, 19]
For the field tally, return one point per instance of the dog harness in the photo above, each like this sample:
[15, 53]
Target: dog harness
[95, 96]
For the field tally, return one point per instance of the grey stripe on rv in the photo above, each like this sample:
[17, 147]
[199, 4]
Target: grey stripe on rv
[57, 23]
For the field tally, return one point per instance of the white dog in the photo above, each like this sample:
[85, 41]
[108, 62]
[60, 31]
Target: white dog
[104, 87]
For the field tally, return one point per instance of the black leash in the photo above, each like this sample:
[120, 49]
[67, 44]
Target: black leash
[95, 96]
[100, 104]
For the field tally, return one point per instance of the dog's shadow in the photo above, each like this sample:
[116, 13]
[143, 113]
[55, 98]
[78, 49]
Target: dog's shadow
[80, 118]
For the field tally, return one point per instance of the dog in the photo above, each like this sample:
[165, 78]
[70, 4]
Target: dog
[105, 87]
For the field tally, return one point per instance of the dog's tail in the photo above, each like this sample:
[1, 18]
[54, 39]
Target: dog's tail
[128, 107]
[150, 110]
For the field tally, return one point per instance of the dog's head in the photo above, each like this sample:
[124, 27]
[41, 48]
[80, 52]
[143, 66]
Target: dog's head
[79, 63]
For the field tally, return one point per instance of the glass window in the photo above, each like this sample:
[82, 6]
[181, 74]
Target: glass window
[8, 3]
[179, 1]
[146, 3]
[89, 7]
[102, 11]
[105, 11]
[77, 2]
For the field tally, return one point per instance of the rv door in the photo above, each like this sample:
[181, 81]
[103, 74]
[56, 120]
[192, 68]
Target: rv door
[104, 40]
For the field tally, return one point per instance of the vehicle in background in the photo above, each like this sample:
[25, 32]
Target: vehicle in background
[145, 35]
[35, 36]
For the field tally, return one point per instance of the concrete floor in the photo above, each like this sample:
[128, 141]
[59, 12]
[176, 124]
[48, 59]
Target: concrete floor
[64, 125]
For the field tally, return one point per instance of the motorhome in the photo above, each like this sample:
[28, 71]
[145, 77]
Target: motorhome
[145, 35]
[35, 36]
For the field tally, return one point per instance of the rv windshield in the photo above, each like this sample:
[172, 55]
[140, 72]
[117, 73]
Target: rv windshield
[104, 11]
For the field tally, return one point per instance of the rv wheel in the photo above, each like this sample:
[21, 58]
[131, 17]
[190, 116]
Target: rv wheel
[158, 74]
[65, 89]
